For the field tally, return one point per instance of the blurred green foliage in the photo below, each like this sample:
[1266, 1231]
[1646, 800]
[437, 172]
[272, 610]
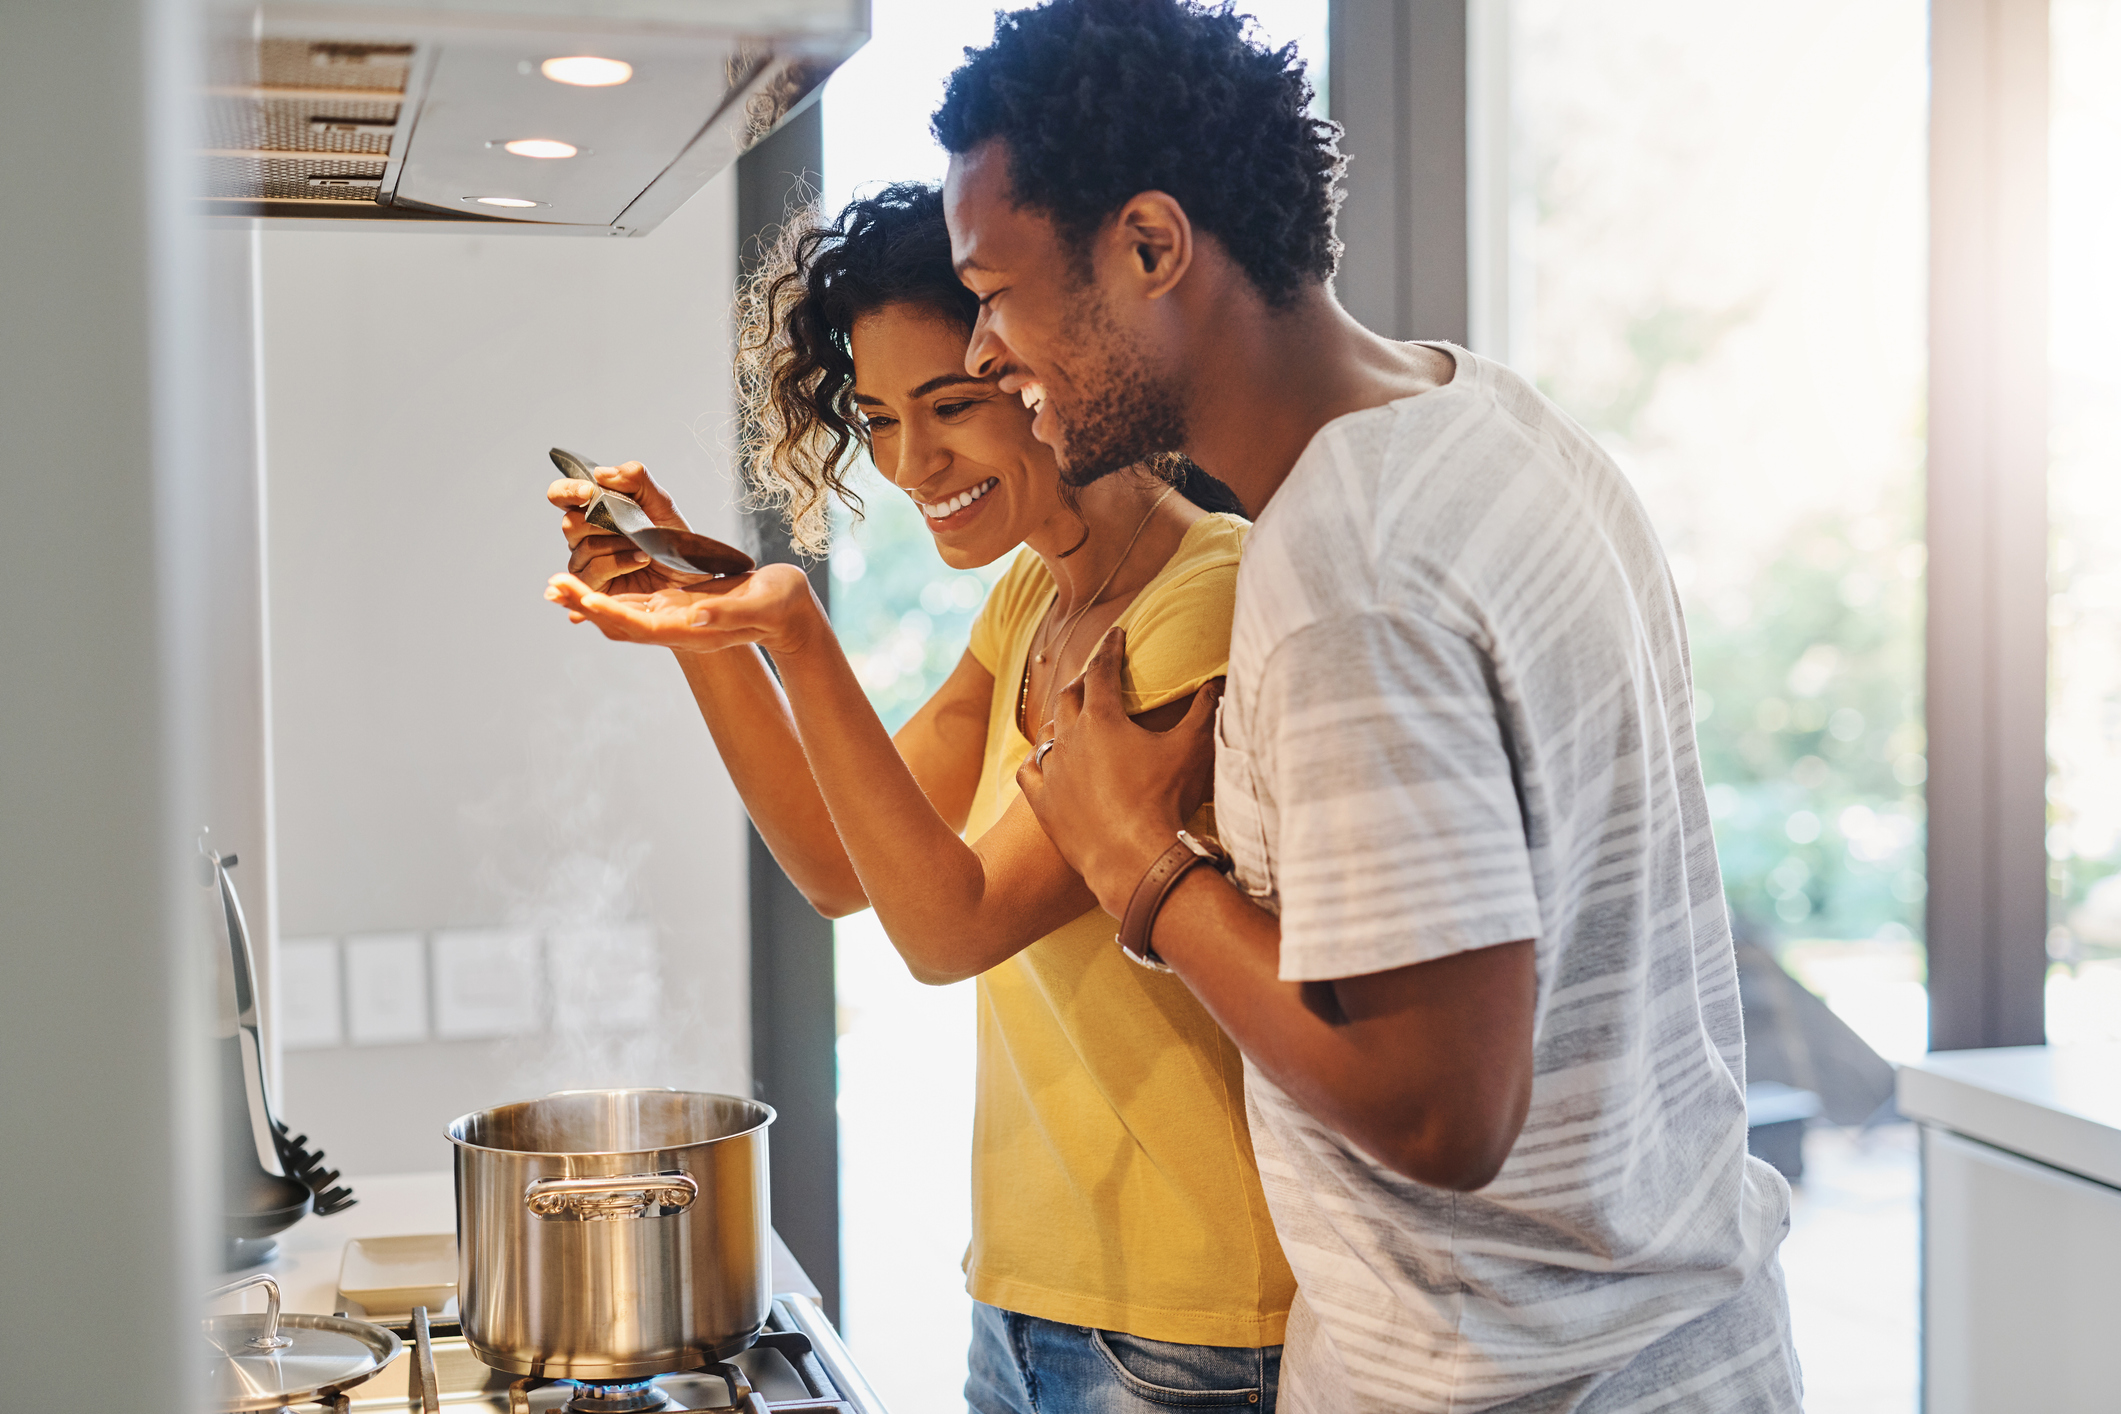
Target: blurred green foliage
[1807, 675]
[1809, 709]
[902, 613]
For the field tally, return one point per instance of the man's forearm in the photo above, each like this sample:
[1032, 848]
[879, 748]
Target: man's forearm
[1227, 949]
[1417, 1067]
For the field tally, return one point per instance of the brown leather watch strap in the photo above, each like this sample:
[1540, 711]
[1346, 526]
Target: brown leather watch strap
[1156, 885]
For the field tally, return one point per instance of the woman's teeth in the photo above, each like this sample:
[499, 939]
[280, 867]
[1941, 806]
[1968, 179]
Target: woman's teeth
[1034, 395]
[958, 502]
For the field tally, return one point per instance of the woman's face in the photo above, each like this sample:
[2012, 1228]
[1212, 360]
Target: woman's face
[958, 445]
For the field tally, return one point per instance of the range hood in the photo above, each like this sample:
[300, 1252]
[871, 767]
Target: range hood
[586, 117]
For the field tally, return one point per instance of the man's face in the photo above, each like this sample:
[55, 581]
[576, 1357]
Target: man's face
[1057, 327]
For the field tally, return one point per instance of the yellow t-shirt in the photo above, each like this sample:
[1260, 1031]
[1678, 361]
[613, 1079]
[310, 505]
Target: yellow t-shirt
[1113, 1183]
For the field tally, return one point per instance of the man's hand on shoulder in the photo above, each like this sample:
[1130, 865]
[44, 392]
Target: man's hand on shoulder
[1112, 794]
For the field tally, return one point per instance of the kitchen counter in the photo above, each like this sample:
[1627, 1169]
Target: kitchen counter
[2057, 1105]
[401, 1204]
[2021, 1226]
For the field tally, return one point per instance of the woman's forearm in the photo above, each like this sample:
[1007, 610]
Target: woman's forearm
[748, 716]
[929, 887]
[901, 807]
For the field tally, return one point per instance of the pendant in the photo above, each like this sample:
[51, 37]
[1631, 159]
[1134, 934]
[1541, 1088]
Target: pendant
[1039, 659]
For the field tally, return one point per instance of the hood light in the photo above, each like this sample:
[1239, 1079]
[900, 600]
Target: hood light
[503, 201]
[587, 71]
[540, 147]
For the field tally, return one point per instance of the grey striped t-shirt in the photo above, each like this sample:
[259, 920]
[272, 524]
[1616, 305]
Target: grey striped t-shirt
[1459, 714]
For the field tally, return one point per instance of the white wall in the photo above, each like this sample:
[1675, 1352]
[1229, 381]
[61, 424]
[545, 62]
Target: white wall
[449, 752]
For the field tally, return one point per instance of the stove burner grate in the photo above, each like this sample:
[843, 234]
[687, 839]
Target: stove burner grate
[796, 1373]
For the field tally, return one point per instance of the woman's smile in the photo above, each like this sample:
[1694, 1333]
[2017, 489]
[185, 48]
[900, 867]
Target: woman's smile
[957, 510]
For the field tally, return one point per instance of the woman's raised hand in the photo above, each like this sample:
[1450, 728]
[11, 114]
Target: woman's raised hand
[607, 562]
[771, 607]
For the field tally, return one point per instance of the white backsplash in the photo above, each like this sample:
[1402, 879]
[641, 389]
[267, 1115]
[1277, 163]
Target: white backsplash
[507, 841]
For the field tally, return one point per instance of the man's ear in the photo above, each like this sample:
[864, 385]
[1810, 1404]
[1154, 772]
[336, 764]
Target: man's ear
[1156, 240]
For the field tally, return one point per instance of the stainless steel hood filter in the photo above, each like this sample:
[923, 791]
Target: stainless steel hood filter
[331, 113]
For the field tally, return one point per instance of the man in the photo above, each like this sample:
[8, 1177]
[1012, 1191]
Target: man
[1474, 948]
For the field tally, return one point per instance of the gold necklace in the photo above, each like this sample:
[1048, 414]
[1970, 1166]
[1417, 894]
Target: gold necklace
[1068, 628]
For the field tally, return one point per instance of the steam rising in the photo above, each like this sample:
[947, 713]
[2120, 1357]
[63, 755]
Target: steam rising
[573, 880]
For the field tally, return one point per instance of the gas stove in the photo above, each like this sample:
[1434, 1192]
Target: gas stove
[799, 1365]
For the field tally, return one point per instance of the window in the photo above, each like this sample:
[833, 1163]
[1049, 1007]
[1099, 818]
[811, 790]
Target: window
[2084, 564]
[1720, 229]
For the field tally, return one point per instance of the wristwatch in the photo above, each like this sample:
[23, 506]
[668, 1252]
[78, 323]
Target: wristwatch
[1172, 865]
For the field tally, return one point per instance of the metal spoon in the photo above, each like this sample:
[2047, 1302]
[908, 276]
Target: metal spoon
[679, 550]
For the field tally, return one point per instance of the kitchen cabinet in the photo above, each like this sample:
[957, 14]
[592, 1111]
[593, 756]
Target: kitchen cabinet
[2021, 1227]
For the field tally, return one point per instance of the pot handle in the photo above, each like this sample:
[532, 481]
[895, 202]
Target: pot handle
[269, 1338]
[588, 1200]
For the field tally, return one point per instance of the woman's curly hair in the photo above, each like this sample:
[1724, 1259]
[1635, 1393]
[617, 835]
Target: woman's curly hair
[1098, 100]
[800, 435]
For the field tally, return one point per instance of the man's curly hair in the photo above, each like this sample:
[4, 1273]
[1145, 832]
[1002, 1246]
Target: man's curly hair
[1098, 100]
[800, 433]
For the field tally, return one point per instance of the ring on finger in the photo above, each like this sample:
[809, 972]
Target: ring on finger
[1038, 757]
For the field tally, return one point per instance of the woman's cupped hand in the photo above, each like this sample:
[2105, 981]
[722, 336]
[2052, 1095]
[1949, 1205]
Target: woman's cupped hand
[634, 600]
[772, 607]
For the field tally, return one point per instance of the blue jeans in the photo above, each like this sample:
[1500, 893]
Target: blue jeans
[1026, 1365]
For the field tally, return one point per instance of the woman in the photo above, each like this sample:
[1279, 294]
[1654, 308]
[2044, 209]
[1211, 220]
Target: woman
[1122, 1256]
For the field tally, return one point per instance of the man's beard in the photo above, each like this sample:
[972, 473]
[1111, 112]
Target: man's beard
[1126, 415]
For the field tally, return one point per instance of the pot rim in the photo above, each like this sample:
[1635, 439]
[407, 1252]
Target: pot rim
[449, 1130]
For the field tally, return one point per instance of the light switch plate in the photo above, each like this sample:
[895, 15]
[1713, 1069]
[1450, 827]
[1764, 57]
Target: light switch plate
[487, 983]
[311, 1016]
[604, 978]
[386, 989]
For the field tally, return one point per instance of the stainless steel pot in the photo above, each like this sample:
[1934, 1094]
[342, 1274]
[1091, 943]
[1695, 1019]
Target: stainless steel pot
[613, 1234]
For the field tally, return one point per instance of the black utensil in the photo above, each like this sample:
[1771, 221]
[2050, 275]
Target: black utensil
[302, 1165]
[306, 1166]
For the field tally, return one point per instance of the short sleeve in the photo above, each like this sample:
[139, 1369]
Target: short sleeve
[1178, 632]
[1002, 615]
[1401, 837]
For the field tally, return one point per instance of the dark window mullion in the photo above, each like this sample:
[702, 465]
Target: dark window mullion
[794, 1029]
